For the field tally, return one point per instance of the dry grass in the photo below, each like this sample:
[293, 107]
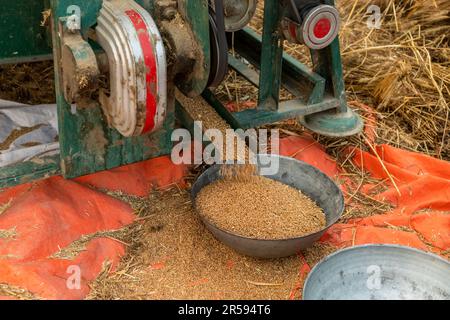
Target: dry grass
[16, 292]
[8, 233]
[317, 252]
[403, 69]
[30, 83]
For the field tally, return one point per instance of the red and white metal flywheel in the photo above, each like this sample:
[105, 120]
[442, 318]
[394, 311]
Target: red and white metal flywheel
[318, 30]
[137, 101]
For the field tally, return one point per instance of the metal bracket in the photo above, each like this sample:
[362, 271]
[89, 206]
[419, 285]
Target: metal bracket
[320, 102]
[79, 67]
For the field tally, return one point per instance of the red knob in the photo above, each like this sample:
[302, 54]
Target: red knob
[322, 28]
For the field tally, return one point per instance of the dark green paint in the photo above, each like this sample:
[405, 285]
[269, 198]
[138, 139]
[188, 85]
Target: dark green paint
[252, 118]
[271, 56]
[28, 171]
[22, 38]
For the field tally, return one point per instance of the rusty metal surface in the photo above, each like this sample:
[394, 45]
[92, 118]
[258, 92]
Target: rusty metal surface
[80, 71]
[238, 13]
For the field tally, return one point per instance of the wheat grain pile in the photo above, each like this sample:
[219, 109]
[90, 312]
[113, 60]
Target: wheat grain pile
[260, 208]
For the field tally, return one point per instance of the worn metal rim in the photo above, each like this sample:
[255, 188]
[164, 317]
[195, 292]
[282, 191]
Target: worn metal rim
[392, 246]
[206, 220]
[321, 12]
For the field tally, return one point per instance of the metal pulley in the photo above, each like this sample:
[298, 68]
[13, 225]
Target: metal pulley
[225, 16]
[315, 26]
[137, 99]
[218, 43]
[238, 13]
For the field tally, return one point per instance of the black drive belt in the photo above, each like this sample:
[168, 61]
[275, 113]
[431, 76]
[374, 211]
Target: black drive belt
[219, 46]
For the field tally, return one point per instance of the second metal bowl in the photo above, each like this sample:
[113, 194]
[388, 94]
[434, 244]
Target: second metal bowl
[379, 272]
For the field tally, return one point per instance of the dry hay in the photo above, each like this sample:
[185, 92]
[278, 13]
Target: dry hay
[140, 205]
[141, 208]
[8, 233]
[199, 110]
[14, 292]
[402, 70]
[5, 206]
[318, 252]
[404, 67]
[29, 83]
[239, 94]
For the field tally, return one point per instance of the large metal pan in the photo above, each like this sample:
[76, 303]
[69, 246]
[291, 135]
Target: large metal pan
[379, 272]
[294, 173]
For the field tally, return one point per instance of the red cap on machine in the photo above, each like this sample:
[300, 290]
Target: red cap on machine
[320, 27]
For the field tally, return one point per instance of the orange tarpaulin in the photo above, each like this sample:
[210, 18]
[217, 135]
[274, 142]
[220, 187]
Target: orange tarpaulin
[423, 182]
[44, 217]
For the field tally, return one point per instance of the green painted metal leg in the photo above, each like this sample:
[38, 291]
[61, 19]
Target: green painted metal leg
[333, 123]
[271, 57]
[340, 122]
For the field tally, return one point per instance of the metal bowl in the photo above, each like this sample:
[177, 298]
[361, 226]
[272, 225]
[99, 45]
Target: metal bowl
[379, 272]
[294, 173]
